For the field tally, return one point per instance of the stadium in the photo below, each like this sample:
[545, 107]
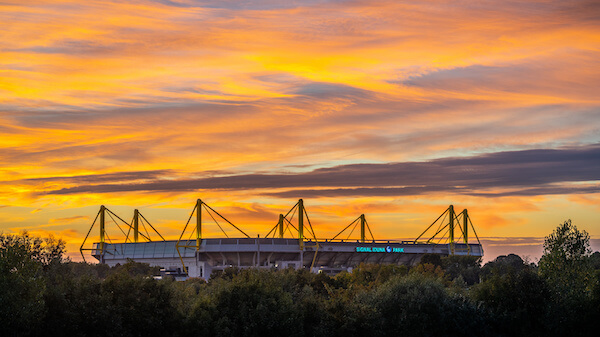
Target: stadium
[291, 243]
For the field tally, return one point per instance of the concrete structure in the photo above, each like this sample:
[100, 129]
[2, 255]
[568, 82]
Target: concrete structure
[201, 256]
[218, 254]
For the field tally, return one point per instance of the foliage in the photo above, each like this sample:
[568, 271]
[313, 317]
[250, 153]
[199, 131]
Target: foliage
[369, 275]
[430, 270]
[18, 253]
[23, 259]
[595, 260]
[246, 308]
[434, 259]
[502, 265]
[517, 299]
[136, 269]
[567, 267]
[566, 262]
[41, 292]
[464, 266]
[416, 306]
[138, 305]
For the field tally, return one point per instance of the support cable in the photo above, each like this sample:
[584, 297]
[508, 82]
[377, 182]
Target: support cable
[177, 246]
[431, 225]
[474, 232]
[289, 221]
[129, 230]
[290, 231]
[109, 240]
[216, 222]
[146, 229]
[81, 249]
[462, 232]
[291, 224]
[287, 227]
[352, 231]
[118, 217]
[122, 231]
[444, 236]
[273, 230]
[345, 228]
[125, 222]
[310, 226]
[190, 237]
[229, 222]
[187, 223]
[149, 224]
[442, 224]
[369, 228]
[292, 209]
[440, 229]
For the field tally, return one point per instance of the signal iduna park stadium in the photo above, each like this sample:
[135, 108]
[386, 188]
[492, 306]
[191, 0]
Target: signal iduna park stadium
[291, 243]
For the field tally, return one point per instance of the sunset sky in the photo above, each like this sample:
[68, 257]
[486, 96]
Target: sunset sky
[395, 109]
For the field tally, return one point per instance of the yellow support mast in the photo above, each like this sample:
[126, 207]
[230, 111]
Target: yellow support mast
[280, 226]
[451, 215]
[102, 231]
[136, 225]
[198, 223]
[301, 223]
[465, 226]
[362, 228]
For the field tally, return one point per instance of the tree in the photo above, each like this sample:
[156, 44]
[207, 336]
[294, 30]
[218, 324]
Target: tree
[565, 263]
[517, 298]
[566, 267]
[251, 303]
[430, 270]
[134, 268]
[23, 259]
[138, 305]
[502, 265]
[595, 260]
[434, 259]
[370, 274]
[465, 266]
[420, 306]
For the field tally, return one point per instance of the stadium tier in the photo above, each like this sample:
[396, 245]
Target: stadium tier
[199, 257]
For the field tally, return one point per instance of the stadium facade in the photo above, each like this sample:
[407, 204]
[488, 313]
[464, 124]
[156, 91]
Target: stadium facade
[199, 257]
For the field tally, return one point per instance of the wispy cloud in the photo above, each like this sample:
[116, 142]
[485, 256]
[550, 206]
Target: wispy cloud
[98, 178]
[69, 219]
[528, 172]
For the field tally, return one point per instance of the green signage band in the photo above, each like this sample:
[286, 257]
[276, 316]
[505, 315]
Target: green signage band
[387, 249]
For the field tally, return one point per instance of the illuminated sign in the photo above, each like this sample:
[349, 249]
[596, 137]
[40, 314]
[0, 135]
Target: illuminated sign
[387, 249]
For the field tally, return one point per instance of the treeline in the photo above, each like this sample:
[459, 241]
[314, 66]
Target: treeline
[41, 293]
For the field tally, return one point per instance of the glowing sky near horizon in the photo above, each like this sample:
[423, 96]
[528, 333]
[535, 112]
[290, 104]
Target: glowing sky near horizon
[395, 109]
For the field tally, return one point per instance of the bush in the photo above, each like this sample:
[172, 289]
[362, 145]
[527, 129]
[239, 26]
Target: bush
[518, 302]
[417, 306]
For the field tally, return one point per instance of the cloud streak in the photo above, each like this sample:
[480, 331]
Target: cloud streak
[98, 178]
[529, 172]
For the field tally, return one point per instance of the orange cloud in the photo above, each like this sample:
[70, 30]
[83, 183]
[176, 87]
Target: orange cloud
[111, 92]
[71, 219]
